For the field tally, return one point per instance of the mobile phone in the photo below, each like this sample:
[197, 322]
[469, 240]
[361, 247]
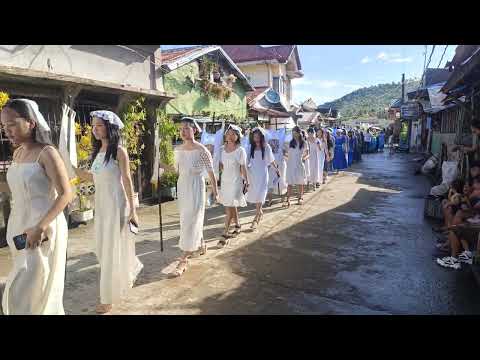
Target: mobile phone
[20, 241]
[133, 227]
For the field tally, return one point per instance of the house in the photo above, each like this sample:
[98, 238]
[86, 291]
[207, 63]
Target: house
[206, 83]
[308, 114]
[328, 116]
[272, 67]
[86, 78]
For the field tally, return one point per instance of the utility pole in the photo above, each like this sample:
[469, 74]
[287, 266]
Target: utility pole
[403, 88]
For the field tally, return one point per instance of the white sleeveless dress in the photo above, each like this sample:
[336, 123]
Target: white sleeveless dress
[192, 166]
[35, 284]
[296, 173]
[257, 172]
[316, 171]
[231, 190]
[115, 246]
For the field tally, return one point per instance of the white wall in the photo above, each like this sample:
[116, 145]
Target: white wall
[258, 74]
[108, 63]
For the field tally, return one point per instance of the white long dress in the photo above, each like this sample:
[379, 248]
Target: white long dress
[278, 186]
[192, 167]
[321, 158]
[296, 174]
[231, 190]
[36, 282]
[115, 246]
[316, 172]
[257, 172]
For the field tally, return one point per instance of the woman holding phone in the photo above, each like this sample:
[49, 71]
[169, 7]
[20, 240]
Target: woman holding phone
[115, 211]
[38, 181]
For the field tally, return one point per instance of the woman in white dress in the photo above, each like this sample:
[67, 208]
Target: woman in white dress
[316, 169]
[234, 179]
[277, 184]
[323, 153]
[259, 159]
[307, 164]
[192, 162]
[40, 190]
[297, 156]
[114, 210]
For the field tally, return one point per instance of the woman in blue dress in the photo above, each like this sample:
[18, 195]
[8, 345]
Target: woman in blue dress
[351, 147]
[340, 160]
[381, 140]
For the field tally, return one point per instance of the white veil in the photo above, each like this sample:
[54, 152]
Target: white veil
[42, 132]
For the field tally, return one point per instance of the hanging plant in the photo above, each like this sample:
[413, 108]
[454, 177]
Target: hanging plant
[207, 67]
[134, 116]
[167, 131]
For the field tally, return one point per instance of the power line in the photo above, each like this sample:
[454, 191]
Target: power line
[428, 63]
[444, 51]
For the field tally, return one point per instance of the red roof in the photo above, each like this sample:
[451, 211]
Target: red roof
[171, 55]
[244, 53]
[253, 94]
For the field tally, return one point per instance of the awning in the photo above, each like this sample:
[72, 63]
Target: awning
[462, 72]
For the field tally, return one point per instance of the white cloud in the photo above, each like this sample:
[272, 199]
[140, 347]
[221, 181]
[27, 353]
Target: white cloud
[366, 60]
[393, 58]
[315, 83]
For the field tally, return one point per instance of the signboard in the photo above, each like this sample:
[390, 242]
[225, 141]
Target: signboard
[410, 110]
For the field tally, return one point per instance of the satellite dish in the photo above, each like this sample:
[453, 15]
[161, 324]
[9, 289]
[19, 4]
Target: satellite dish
[272, 97]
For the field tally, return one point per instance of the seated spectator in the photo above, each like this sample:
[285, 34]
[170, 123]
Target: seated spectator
[449, 205]
[458, 235]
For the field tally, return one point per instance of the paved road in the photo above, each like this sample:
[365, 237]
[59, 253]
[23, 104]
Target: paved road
[360, 245]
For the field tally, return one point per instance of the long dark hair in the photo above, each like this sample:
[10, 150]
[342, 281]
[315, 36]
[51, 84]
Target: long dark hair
[293, 142]
[237, 142]
[113, 136]
[252, 144]
[25, 111]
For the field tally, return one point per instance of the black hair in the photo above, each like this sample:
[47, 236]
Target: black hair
[475, 164]
[293, 142]
[475, 123]
[113, 136]
[476, 179]
[25, 111]
[252, 144]
[312, 130]
[458, 185]
[236, 133]
[191, 123]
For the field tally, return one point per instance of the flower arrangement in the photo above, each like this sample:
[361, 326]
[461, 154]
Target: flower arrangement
[84, 143]
[3, 99]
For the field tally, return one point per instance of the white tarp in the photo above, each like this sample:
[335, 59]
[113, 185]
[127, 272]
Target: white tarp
[436, 96]
[67, 145]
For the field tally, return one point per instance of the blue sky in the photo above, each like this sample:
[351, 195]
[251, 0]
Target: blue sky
[331, 71]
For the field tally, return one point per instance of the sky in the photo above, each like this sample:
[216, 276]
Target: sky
[331, 71]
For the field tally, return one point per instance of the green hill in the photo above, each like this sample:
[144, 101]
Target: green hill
[371, 101]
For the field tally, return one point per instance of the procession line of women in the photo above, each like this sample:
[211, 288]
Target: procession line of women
[40, 187]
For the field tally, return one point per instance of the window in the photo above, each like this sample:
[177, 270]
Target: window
[276, 83]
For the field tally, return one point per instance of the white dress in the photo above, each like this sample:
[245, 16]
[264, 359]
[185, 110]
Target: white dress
[257, 172]
[115, 246]
[316, 171]
[278, 186]
[231, 190]
[321, 158]
[35, 284]
[192, 167]
[296, 174]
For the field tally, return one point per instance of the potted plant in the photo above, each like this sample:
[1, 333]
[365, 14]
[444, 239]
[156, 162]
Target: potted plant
[168, 184]
[84, 212]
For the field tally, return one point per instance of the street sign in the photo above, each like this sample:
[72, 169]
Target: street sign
[410, 110]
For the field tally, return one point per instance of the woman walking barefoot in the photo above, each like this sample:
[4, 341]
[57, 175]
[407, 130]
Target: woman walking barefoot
[114, 210]
[192, 162]
[234, 180]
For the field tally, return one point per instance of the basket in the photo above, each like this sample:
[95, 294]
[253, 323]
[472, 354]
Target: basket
[433, 207]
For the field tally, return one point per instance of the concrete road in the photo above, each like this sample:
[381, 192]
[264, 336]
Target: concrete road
[359, 245]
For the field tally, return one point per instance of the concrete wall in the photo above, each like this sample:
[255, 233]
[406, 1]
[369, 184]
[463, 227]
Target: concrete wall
[191, 100]
[258, 74]
[108, 63]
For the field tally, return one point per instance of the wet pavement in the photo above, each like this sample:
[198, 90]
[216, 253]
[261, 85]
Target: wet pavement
[359, 245]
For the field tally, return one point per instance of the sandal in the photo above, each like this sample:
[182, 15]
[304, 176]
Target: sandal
[286, 205]
[269, 203]
[181, 267]
[223, 242]
[254, 223]
[237, 230]
[300, 201]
